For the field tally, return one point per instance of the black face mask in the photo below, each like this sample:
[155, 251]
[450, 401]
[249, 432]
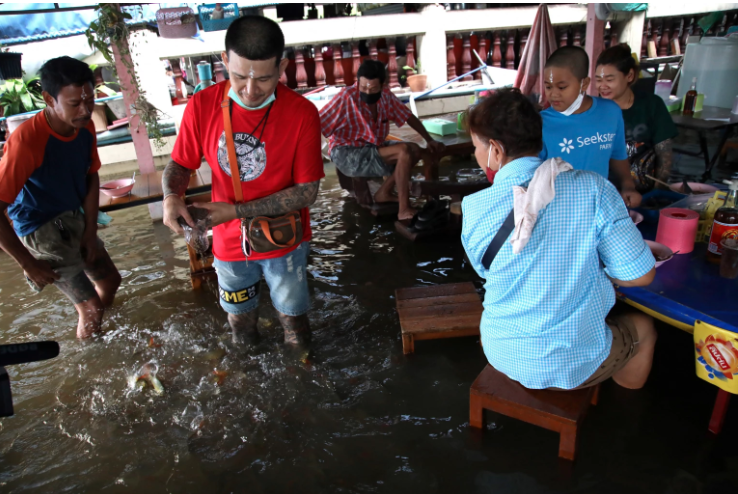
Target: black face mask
[370, 99]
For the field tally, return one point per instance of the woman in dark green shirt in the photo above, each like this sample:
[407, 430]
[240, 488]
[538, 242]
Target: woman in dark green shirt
[649, 128]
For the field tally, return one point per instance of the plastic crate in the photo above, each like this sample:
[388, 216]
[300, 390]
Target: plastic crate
[177, 22]
[230, 14]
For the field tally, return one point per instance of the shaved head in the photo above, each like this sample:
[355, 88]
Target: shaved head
[573, 58]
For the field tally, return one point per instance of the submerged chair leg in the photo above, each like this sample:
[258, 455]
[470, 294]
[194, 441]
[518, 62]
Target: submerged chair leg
[408, 344]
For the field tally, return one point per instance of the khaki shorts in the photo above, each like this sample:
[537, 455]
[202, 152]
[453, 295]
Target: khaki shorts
[624, 347]
[58, 243]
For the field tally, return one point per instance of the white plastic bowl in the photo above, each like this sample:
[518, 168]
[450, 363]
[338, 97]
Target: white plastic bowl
[118, 188]
[660, 251]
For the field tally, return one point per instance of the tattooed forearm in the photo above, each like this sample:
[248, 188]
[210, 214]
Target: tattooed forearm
[296, 197]
[664, 158]
[175, 179]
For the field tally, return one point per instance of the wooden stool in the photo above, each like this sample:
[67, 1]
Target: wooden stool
[559, 411]
[439, 311]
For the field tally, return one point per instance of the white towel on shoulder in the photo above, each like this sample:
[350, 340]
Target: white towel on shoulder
[527, 203]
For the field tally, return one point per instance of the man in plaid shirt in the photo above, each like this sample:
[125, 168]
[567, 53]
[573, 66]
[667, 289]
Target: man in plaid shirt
[357, 123]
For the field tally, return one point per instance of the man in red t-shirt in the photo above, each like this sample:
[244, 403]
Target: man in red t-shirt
[357, 122]
[277, 142]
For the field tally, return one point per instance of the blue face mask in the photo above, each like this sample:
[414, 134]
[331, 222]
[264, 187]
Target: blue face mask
[232, 94]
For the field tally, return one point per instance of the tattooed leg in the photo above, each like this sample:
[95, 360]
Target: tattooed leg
[81, 292]
[105, 276]
[243, 327]
[296, 329]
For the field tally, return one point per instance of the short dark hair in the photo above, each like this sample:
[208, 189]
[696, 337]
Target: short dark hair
[255, 38]
[621, 57]
[64, 71]
[371, 69]
[508, 117]
[573, 58]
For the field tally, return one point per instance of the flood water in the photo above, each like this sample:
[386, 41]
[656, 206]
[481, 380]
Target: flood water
[358, 417]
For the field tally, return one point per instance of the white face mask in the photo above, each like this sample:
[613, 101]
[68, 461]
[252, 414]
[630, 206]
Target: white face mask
[577, 102]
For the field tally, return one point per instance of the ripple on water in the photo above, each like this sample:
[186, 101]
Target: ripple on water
[228, 417]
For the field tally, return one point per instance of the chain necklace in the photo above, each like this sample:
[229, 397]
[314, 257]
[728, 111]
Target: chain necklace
[52, 128]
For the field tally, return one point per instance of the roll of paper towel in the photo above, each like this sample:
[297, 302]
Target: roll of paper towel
[677, 229]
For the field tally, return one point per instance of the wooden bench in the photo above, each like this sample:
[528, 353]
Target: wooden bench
[559, 411]
[440, 311]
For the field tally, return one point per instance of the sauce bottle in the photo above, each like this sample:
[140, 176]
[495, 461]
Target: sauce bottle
[690, 99]
[725, 224]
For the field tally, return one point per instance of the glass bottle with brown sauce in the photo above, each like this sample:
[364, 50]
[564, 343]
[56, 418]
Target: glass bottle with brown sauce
[690, 99]
[725, 224]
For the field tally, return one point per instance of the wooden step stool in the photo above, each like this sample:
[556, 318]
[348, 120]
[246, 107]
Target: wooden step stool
[439, 311]
[559, 411]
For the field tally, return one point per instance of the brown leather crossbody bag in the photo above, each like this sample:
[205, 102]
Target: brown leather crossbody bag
[260, 234]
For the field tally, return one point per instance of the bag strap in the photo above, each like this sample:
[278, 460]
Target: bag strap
[230, 145]
[268, 234]
[502, 234]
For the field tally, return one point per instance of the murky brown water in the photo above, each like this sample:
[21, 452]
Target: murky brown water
[360, 418]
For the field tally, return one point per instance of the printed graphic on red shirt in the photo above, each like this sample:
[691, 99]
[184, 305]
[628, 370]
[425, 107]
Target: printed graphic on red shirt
[250, 153]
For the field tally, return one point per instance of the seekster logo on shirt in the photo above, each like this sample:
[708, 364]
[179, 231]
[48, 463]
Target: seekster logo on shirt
[603, 140]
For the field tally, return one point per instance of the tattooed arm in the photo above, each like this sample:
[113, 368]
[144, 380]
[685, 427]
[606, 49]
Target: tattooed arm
[290, 199]
[663, 161]
[174, 183]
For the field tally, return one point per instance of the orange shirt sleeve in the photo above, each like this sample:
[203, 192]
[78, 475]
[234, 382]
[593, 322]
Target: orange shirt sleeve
[95, 158]
[22, 155]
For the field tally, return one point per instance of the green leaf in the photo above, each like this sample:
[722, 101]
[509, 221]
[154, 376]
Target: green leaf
[26, 101]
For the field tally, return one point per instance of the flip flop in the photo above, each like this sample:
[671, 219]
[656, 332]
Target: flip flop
[432, 209]
[437, 222]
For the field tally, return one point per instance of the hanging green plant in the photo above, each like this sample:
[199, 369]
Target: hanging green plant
[110, 27]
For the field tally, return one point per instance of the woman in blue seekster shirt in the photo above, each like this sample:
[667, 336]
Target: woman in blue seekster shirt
[584, 131]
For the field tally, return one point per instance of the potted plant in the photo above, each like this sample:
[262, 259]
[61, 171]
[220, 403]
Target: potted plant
[18, 97]
[417, 82]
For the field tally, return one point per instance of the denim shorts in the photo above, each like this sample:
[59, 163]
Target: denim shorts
[286, 276]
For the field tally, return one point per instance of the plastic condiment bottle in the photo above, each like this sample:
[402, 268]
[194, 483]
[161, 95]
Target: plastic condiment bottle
[690, 99]
[725, 224]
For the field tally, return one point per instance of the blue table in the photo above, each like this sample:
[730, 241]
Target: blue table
[686, 289]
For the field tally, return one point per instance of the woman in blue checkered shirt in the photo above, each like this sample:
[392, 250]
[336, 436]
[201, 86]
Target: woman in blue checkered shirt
[548, 318]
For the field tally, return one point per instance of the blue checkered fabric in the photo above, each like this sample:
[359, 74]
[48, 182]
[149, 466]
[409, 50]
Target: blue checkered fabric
[544, 309]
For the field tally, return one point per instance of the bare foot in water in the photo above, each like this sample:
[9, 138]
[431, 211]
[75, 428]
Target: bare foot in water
[380, 197]
[406, 214]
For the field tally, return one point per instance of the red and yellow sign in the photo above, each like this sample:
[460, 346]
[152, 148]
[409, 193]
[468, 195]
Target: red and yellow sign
[716, 356]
